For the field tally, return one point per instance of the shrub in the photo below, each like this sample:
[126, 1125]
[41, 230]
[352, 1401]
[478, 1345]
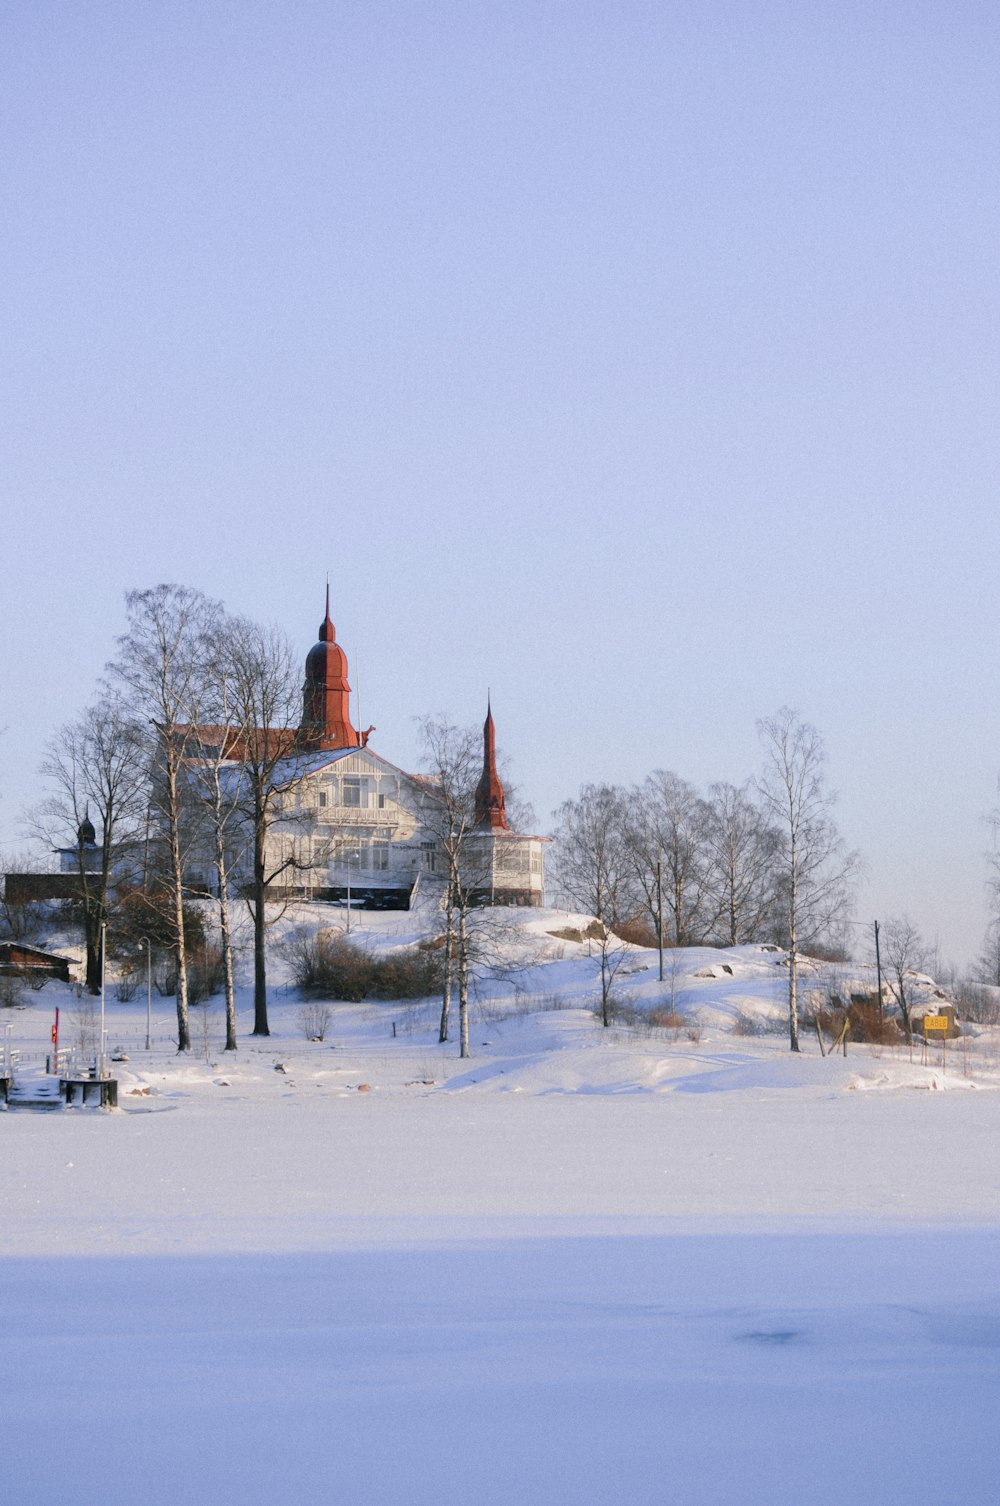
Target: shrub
[828, 952]
[864, 1024]
[749, 1025]
[621, 1010]
[314, 1020]
[11, 996]
[407, 975]
[165, 981]
[127, 986]
[636, 933]
[35, 977]
[206, 973]
[138, 913]
[330, 966]
[666, 1019]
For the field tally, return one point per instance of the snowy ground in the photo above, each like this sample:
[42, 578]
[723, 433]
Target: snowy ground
[587, 1265]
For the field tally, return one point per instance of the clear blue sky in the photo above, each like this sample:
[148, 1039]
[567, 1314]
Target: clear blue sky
[638, 361]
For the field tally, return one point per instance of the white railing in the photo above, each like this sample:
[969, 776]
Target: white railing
[357, 815]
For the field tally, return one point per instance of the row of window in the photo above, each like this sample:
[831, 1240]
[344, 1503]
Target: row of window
[365, 855]
[353, 794]
[360, 854]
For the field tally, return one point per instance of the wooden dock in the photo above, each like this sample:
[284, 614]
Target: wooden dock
[50, 1092]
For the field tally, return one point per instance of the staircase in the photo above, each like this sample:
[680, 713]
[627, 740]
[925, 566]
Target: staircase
[34, 1091]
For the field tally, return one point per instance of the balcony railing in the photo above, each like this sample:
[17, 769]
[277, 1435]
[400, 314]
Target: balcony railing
[353, 815]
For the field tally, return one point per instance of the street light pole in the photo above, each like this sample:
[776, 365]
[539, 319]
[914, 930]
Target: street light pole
[149, 990]
[104, 949]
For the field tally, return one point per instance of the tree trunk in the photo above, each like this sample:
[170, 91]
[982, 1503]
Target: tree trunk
[449, 966]
[227, 940]
[183, 1029]
[463, 984]
[904, 1008]
[92, 936]
[260, 1026]
[91, 929]
[793, 971]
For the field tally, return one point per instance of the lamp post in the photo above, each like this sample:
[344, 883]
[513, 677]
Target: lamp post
[149, 990]
[349, 859]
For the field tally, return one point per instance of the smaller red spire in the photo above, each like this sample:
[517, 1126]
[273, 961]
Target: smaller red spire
[489, 791]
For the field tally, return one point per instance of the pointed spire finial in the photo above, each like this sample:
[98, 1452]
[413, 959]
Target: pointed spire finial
[327, 632]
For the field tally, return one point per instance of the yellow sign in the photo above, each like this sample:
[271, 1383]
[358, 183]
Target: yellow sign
[936, 1022]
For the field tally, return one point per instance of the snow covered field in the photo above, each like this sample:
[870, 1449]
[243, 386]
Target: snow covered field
[588, 1265]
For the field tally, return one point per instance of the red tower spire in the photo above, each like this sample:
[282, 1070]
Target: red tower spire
[326, 695]
[489, 791]
[327, 631]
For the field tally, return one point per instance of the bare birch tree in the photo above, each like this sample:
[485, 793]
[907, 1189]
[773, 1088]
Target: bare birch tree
[745, 852]
[595, 869]
[669, 823]
[452, 757]
[906, 953]
[817, 870]
[97, 768]
[216, 783]
[162, 673]
[266, 693]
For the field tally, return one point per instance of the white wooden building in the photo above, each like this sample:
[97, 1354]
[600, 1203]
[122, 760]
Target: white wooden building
[349, 821]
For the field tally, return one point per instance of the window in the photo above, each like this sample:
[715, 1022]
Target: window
[383, 801]
[322, 799]
[352, 792]
[380, 856]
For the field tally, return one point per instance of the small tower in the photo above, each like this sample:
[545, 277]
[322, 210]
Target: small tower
[490, 812]
[326, 695]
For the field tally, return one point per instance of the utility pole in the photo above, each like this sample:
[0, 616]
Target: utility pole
[878, 973]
